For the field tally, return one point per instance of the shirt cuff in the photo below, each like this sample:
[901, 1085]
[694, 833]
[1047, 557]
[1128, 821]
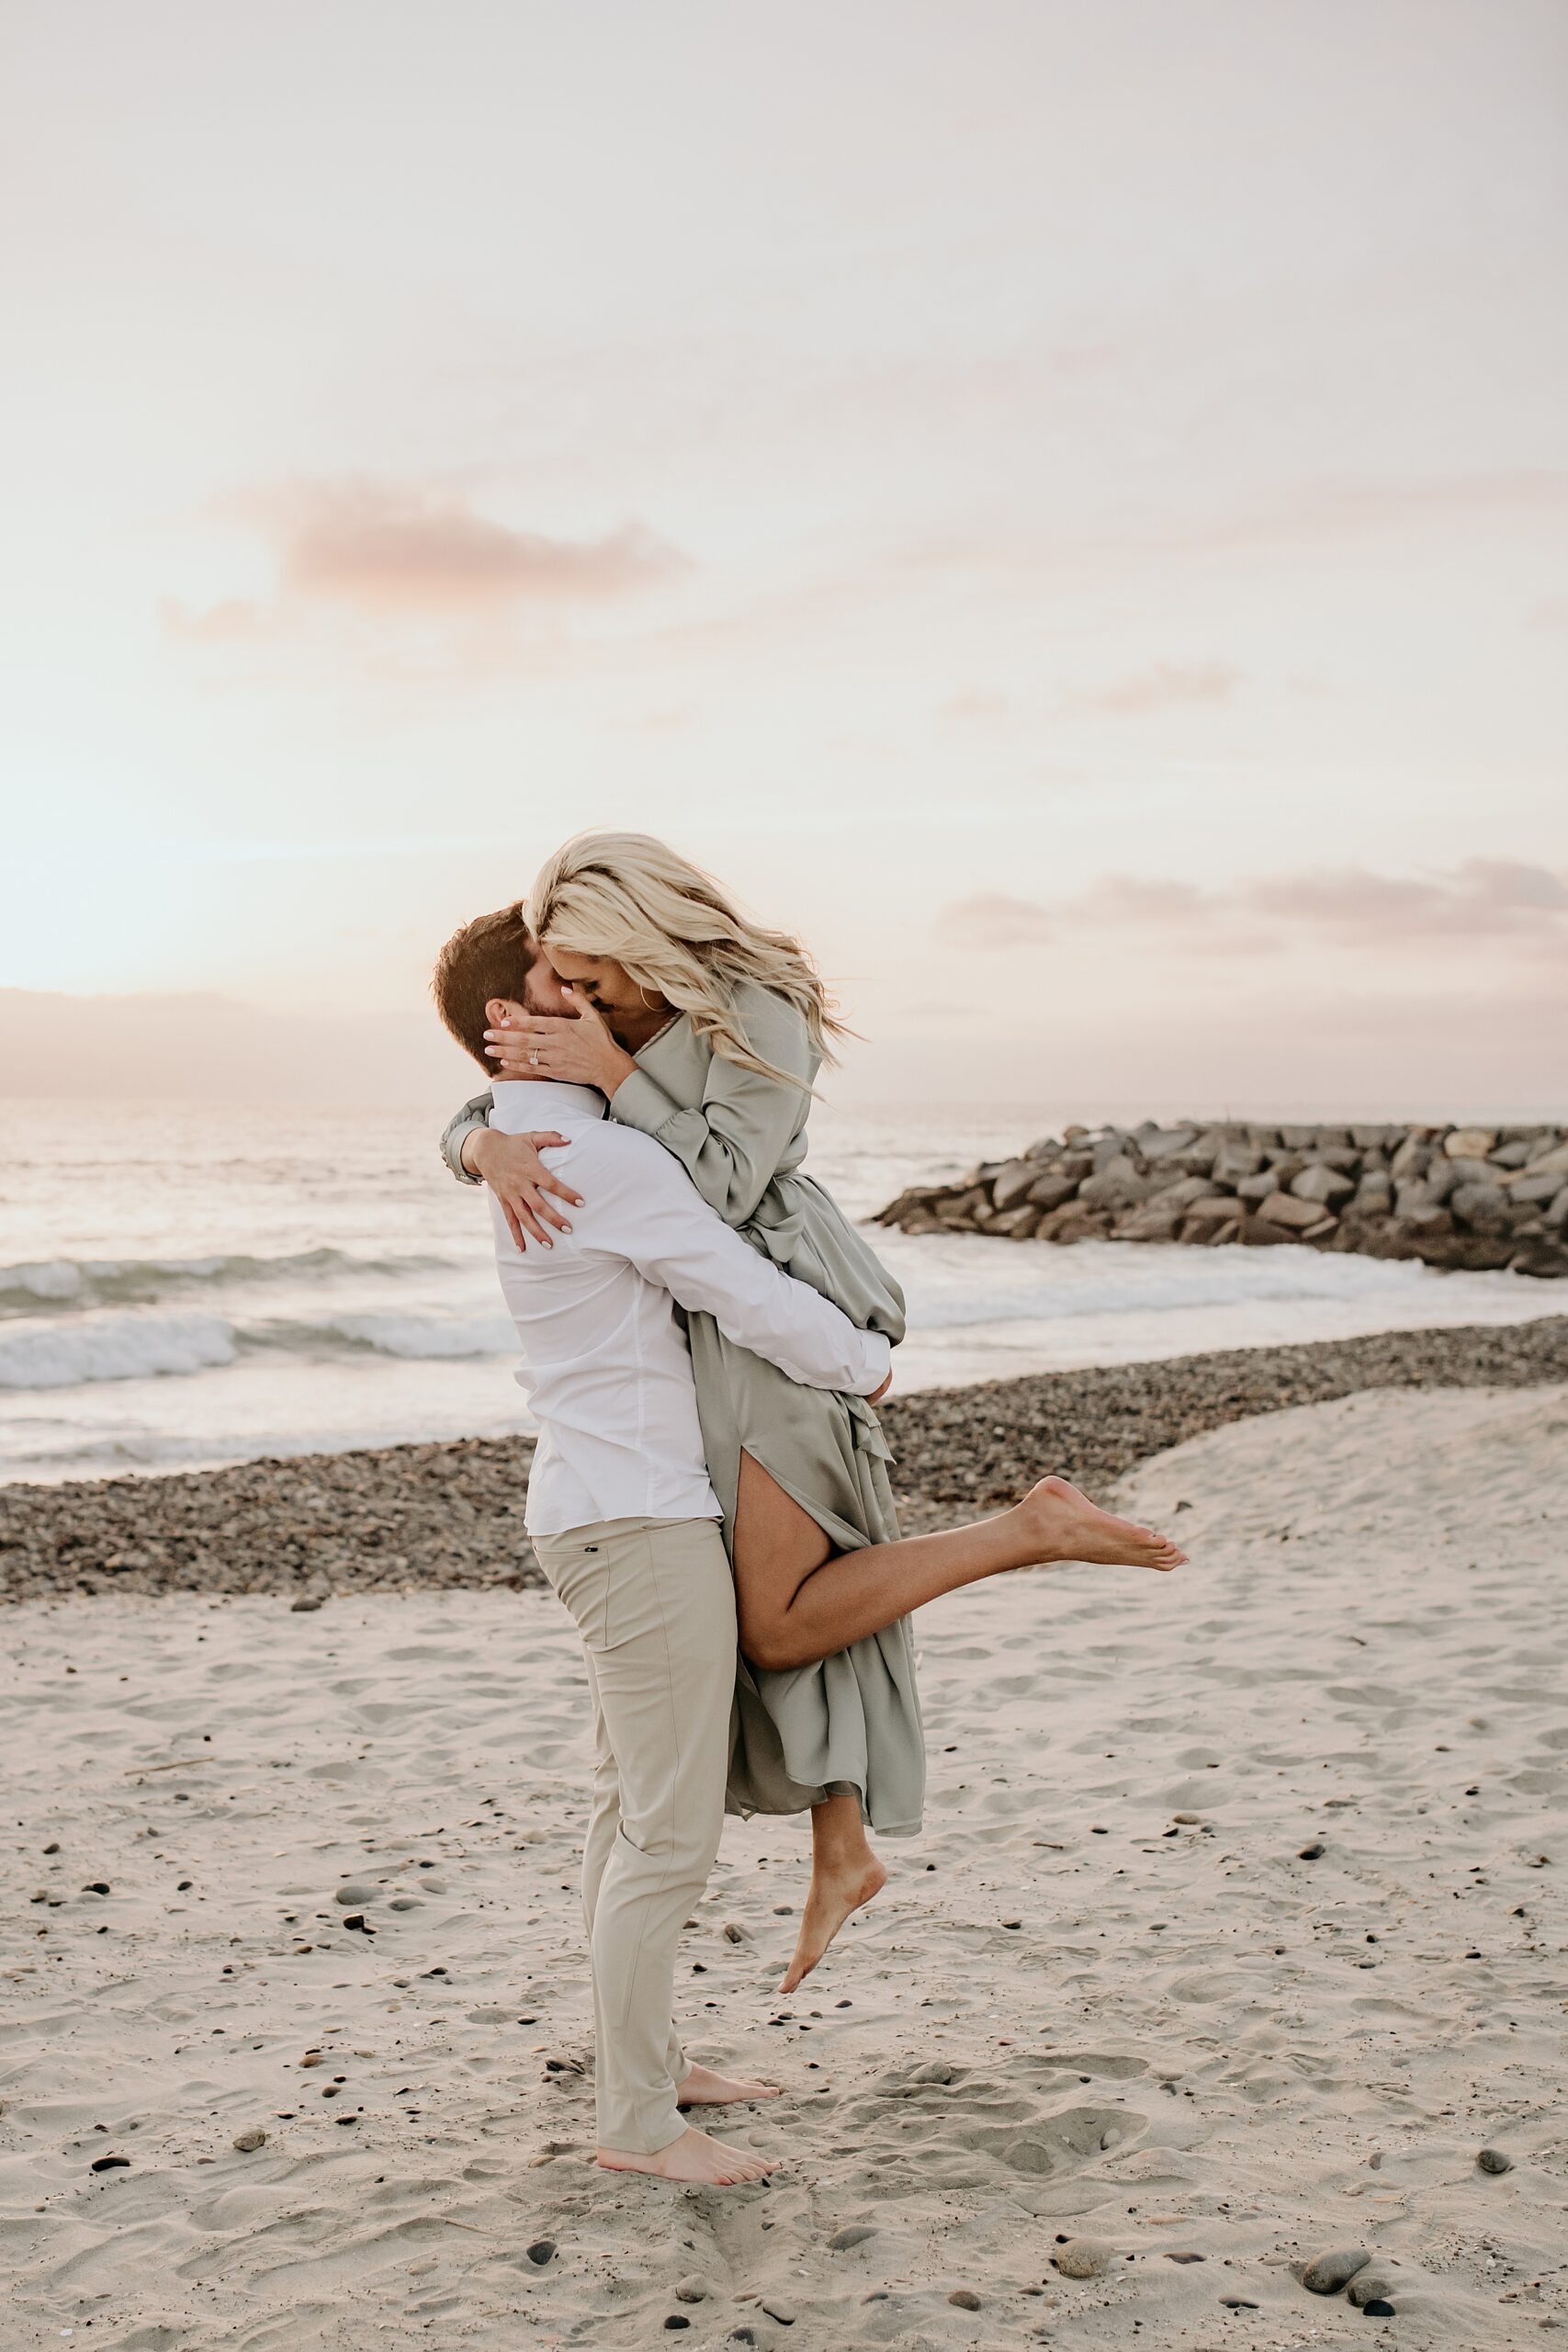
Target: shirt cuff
[882, 1360]
[640, 1101]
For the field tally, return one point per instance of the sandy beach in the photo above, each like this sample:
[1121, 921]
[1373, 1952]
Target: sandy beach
[1234, 1936]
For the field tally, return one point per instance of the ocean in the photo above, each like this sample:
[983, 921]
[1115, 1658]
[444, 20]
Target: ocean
[182, 1286]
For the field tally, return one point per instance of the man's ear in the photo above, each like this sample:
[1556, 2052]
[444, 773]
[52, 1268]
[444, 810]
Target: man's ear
[501, 1011]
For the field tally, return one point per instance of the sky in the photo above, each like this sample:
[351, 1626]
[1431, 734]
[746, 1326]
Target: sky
[1066, 507]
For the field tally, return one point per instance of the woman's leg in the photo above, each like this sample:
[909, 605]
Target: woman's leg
[799, 1600]
[777, 1543]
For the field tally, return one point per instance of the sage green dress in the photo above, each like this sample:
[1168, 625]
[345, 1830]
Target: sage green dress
[852, 1723]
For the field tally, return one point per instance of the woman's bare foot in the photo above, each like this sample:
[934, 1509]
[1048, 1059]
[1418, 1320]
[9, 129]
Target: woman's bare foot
[1061, 1524]
[693, 2160]
[703, 2088]
[845, 1872]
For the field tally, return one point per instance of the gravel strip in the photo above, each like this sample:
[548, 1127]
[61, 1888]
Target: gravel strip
[419, 1515]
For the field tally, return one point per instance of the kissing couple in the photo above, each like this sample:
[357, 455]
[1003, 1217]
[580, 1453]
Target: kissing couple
[705, 1337]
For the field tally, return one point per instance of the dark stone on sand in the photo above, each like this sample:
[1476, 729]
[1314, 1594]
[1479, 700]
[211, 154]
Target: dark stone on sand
[306, 1601]
[1239, 2304]
[1327, 2272]
[541, 2251]
[856, 2235]
[110, 2164]
[965, 2299]
[357, 1919]
[1495, 2160]
[1379, 2309]
[677, 2319]
[95, 1886]
[1310, 1853]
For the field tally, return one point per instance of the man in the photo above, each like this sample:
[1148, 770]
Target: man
[625, 1525]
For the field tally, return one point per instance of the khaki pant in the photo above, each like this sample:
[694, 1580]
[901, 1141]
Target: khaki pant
[655, 1604]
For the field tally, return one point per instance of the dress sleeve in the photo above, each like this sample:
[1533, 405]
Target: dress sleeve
[732, 1145]
[474, 1113]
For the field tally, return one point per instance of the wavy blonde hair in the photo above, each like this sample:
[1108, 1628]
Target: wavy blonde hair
[678, 931]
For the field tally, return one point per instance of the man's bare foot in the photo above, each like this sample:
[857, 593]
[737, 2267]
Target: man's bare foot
[703, 2088]
[694, 2161]
[832, 1896]
[1061, 1524]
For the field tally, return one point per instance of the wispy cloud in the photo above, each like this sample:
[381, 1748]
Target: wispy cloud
[991, 919]
[382, 549]
[1167, 685]
[1348, 905]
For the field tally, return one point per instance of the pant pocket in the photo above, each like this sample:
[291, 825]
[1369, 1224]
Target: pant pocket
[579, 1575]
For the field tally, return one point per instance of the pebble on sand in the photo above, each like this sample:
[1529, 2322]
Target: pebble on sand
[352, 1896]
[1327, 2272]
[541, 2251]
[691, 2290]
[965, 2299]
[856, 2235]
[1379, 2309]
[1495, 2160]
[1369, 2286]
[1085, 2257]
[246, 2141]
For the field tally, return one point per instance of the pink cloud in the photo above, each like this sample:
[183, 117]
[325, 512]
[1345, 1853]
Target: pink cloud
[1350, 906]
[991, 919]
[405, 549]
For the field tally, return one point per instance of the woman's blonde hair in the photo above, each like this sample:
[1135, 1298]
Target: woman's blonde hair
[677, 930]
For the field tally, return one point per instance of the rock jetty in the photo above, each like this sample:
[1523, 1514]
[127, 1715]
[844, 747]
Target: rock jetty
[1471, 1197]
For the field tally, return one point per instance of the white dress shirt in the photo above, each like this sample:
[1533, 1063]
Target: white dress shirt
[605, 1365]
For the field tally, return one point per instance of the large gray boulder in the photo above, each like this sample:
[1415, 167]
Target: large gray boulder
[1535, 1189]
[1483, 1207]
[1411, 1157]
[1048, 1191]
[1235, 1158]
[1165, 1143]
[1014, 1179]
[1325, 1185]
[1117, 1184]
[1286, 1209]
[1182, 1193]
[1553, 1162]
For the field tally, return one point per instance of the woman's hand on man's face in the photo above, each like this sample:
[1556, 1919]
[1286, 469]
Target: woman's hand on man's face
[581, 1051]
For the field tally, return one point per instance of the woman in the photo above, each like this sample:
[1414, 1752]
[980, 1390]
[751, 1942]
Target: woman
[707, 1032]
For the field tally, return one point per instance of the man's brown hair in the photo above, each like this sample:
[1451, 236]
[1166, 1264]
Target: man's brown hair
[492, 955]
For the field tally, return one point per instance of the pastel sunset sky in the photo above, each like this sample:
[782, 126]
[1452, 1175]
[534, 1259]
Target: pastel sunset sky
[1065, 504]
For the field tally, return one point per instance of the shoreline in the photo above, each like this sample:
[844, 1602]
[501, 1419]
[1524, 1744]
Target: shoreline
[449, 1514]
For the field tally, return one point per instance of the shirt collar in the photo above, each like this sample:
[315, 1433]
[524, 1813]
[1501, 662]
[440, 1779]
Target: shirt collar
[526, 1102]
